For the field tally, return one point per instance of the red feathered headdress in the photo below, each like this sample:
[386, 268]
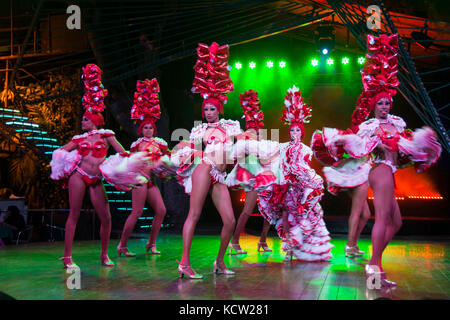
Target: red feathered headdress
[296, 112]
[94, 94]
[251, 107]
[379, 76]
[212, 75]
[145, 107]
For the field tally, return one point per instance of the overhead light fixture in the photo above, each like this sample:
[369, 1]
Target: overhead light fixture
[324, 37]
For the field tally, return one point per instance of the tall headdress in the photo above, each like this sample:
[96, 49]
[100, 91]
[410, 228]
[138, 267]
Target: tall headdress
[295, 112]
[251, 108]
[94, 94]
[145, 107]
[379, 75]
[212, 75]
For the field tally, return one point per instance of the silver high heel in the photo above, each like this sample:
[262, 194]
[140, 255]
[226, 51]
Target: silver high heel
[353, 251]
[70, 265]
[182, 272]
[236, 247]
[218, 270]
[384, 282]
[263, 246]
[288, 256]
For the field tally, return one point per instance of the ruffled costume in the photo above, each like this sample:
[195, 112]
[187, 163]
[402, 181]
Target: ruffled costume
[349, 155]
[256, 167]
[298, 192]
[212, 81]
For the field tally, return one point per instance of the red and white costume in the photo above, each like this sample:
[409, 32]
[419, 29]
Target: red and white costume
[64, 163]
[250, 173]
[212, 81]
[298, 192]
[218, 146]
[349, 155]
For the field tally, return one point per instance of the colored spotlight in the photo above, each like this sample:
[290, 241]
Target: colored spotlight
[345, 60]
[269, 64]
[325, 51]
[238, 65]
[330, 61]
[361, 60]
[252, 65]
[282, 64]
[314, 62]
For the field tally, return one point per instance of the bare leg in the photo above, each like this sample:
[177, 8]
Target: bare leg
[395, 225]
[138, 202]
[77, 190]
[363, 220]
[382, 183]
[201, 181]
[250, 202]
[265, 231]
[101, 206]
[155, 200]
[286, 225]
[221, 198]
[356, 221]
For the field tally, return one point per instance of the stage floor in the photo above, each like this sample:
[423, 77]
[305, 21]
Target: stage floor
[32, 271]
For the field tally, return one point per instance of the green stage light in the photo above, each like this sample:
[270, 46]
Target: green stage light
[345, 60]
[238, 65]
[252, 65]
[314, 62]
[361, 60]
[269, 64]
[330, 61]
[282, 64]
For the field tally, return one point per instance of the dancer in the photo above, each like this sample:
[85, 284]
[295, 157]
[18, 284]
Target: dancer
[146, 111]
[343, 173]
[206, 173]
[78, 164]
[293, 203]
[384, 138]
[250, 174]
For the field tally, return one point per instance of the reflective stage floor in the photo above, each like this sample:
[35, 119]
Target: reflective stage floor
[32, 271]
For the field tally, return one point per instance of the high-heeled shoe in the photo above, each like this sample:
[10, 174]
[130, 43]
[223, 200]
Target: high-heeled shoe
[68, 262]
[182, 272]
[125, 252]
[236, 247]
[263, 245]
[219, 270]
[373, 270]
[106, 262]
[288, 256]
[353, 251]
[149, 246]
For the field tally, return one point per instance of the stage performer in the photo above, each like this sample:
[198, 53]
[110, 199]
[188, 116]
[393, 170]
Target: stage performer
[146, 112]
[79, 165]
[200, 171]
[346, 173]
[252, 174]
[385, 139]
[293, 203]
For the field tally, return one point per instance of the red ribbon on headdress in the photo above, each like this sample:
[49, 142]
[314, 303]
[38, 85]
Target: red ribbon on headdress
[212, 72]
[295, 111]
[379, 76]
[251, 108]
[145, 107]
[94, 94]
